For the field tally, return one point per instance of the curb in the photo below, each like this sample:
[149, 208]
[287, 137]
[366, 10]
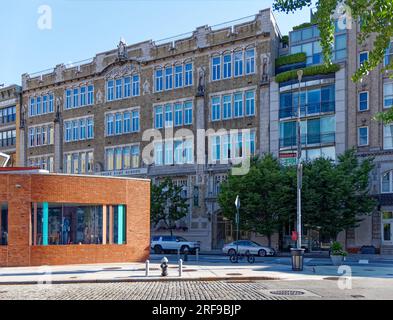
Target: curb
[143, 280]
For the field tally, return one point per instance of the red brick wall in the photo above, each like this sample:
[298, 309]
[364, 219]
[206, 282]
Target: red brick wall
[135, 194]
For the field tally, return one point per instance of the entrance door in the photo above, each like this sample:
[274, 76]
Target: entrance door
[387, 228]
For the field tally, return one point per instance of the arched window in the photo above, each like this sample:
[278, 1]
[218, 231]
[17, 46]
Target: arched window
[386, 185]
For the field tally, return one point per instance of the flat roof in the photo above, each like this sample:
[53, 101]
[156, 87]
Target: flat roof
[38, 171]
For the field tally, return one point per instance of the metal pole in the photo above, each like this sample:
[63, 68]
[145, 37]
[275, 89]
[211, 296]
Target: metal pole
[147, 267]
[299, 168]
[197, 254]
[180, 267]
[237, 231]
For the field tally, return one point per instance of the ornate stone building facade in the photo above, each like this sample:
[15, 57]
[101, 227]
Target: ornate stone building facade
[187, 109]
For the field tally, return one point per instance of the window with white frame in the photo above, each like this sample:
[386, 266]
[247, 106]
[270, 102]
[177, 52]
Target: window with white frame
[389, 55]
[216, 109]
[79, 162]
[175, 151]
[227, 66]
[387, 182]
[122, 157]
[363, 101]
[121, 88]
[122, 122]
[233, 105]
[78, 129]
[178, 76]
[238, 63]
[388, 137]
[388, 94]
[44, 162]
[168, 78]
[173, 114]
[363, 57]
[250, 61]
[188, 74]
[41, 135]
[40, 105]
[231, 146]
[77, 97]
[158, 80]
[216, 68]
[363, 136]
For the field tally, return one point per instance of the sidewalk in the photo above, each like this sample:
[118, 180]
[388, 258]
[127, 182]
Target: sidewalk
[191, 272]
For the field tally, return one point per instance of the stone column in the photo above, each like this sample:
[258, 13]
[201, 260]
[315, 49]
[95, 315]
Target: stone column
[58, 165]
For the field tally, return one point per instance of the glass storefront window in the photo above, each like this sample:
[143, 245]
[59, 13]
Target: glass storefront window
[74, 224]
[3, 224]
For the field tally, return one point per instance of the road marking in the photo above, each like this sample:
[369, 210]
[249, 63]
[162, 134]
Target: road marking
[363, 261]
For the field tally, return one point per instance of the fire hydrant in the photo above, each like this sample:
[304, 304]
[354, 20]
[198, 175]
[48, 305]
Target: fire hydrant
[164, 267]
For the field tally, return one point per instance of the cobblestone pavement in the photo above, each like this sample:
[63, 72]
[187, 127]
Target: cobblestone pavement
[180, 290]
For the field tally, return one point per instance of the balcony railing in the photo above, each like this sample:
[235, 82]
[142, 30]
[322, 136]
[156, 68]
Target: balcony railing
[308, 109]
[309, 139]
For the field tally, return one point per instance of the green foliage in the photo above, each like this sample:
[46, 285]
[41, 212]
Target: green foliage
[285, 40]
[303, 26]
[377, 21]
[291, 59]
[309, 71]
[167, 203]
[334, 195]
[337, 249]
[260, 192]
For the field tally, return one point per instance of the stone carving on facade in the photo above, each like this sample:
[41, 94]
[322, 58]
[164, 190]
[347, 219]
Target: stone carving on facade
[122, 53]
[201, 82]
[22, 121]
[58, 112]
[99, 97]
[146, 87]
[265, 74]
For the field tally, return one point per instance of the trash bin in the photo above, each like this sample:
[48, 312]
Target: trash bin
[297, 259]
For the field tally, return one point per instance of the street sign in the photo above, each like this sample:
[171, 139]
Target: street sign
[237, 203]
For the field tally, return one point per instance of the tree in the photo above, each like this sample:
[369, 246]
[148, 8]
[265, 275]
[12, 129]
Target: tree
[336, 196]
[377, 21]
[167, 204]
[260, 191]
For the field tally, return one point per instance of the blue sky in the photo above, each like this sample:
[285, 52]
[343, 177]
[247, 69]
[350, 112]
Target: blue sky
[82, 28]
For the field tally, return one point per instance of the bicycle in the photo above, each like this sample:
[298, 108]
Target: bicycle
[235, 258]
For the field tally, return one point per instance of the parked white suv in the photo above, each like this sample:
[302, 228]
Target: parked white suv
[164, 244]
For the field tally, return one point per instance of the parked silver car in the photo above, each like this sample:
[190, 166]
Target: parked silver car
[244, 246]
[163, 244]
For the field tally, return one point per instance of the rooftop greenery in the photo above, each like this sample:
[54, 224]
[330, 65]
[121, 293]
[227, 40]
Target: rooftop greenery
[291, 59]
[309, 71]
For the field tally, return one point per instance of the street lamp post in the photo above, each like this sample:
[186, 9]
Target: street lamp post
[237, 204]
[299, 168]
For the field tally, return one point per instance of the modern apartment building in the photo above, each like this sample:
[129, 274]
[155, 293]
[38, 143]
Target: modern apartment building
[187, 109]
[323, 107]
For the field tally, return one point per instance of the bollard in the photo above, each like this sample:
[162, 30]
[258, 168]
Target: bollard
[147, 268]
[180, 267]
[197, 254]
[164, 267]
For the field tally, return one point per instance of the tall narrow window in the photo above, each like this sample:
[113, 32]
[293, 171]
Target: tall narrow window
[178, 152]
[109, 124]
[363, 136]
[216, 148]
[126, 158]
[3, 223]
[158, 153]
[67, 134]
[51, 107]
[110, 90]
[238, 62]
[168, 78]
[168, 116]
[135, 156]
[76, 98]
[32, 107]
[363, 57]
[109, 159]
[178, 76]
[188, 113]
[168, 152]
[127, 87]
[135, 85]
[83, 96]
[363, 101]
[226, 152]
[178, 114]
[68, 99]
[45, 104]
[90, 95]
[250, 61]
[159, 80]
[227, 68]
[238, 105]
[188, 74]
[216, 68]
[39, 106]
[158, 117]
[82, 129]
[227, 106]
[90, 128]
[216, 108]
[250, 103]
[118, 123]
[127, 122]
[135, 121]
[119, 87]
